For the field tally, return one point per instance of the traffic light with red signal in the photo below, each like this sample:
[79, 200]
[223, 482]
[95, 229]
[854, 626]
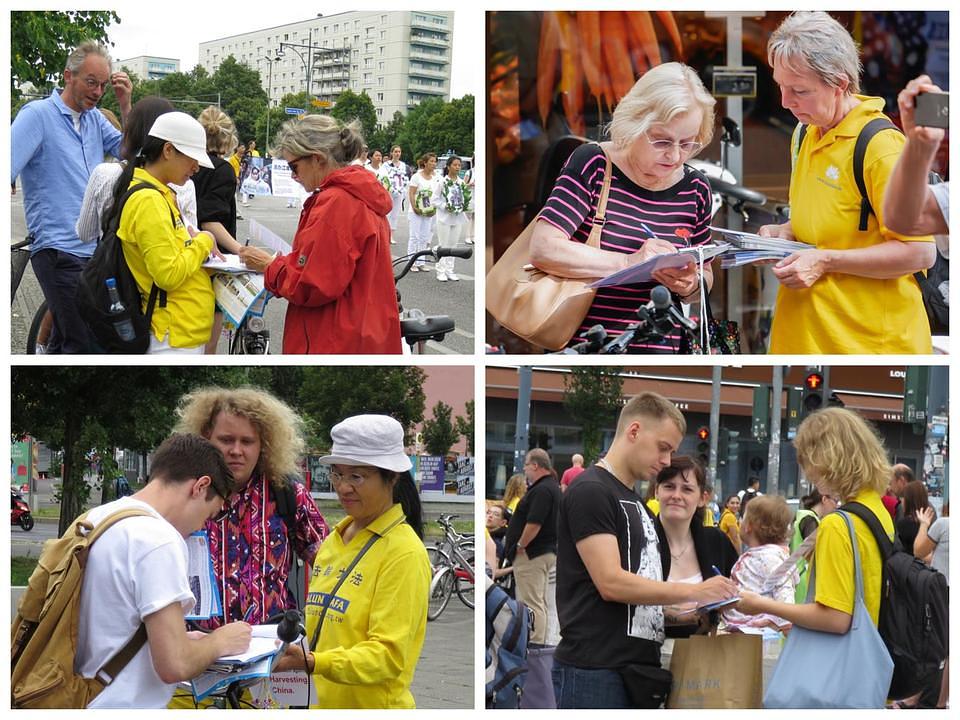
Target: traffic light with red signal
[703, 446]
[812, 392]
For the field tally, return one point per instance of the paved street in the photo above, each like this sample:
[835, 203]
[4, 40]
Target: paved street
[418, 290]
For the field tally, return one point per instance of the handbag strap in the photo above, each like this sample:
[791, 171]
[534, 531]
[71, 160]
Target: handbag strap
[600, 216]
[343, 577]
[857, 570]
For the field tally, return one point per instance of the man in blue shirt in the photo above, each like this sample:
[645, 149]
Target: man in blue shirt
[56, 143]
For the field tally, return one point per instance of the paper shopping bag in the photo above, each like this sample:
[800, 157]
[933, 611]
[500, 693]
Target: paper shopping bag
[717, 671]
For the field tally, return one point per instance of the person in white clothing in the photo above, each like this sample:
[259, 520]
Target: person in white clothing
[423, 194]
[137, 572]
[451, 215]
[374, 163]
[470, 178]
[395, 172]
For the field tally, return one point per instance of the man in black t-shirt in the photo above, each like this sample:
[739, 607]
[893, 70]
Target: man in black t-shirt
[610, 590]
[531, 541]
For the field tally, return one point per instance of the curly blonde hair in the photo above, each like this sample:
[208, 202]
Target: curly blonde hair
[279, 426]
[844, 451]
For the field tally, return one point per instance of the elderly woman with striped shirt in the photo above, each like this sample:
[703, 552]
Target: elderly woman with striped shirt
[657, 203]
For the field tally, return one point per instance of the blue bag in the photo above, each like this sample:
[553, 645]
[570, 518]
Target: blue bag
[825, 670]
[508, 633]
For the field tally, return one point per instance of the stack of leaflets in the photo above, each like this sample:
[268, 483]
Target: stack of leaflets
[643, 272]
[254, 664]
[746, 248]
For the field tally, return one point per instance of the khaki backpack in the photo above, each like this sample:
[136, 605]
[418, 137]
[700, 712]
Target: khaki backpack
[44, 643]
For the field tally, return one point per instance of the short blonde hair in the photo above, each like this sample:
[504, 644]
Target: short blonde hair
[812, 40]
[768, 518]
[320, 135]
[844, 451]
[221, 132]
[662, 94]
[279, 427]
[652, 406]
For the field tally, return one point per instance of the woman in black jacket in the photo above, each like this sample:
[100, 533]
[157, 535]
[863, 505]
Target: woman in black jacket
[689, 551]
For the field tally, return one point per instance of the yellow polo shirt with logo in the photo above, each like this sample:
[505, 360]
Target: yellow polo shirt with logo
[373, 631]
[847, 314]
[161, 252]
[833, 558]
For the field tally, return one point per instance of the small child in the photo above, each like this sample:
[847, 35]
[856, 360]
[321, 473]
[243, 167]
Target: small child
[764, 529]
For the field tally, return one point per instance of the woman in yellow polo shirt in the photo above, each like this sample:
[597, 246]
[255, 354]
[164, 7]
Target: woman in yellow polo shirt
[841, 455]
[854, 293]
[157, 246]
[372, 628]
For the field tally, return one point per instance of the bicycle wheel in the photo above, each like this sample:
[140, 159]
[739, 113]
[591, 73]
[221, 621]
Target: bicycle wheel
[466, 580]
[438, 558]
[441, 587]
[36, 341]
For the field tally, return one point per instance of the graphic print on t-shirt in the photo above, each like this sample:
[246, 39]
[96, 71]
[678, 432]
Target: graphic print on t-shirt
[643, 621]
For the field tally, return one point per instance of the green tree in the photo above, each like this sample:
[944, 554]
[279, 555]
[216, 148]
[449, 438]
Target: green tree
[465, 426]
[350, 107]
[41, 40]
[330, 394]
[278, 116]
[438, 126]
[440, 433]
[242, 96]
[593, 396]
[84, 409]
[385, 136]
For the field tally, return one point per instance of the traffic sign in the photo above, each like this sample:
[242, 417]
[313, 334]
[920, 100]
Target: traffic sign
[294, 111]
[321, 103]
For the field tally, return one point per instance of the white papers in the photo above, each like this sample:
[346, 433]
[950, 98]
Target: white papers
[256, 662]
[643, 272]
[751, 241]
[229, 263]
[211, 681]
[237, 293]
[203, 584]
[264, 237]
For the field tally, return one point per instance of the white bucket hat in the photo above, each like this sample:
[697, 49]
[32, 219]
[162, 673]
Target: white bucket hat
[185, 134]
[375, 440]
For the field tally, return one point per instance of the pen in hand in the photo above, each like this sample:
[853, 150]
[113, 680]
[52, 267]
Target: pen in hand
[248, 614]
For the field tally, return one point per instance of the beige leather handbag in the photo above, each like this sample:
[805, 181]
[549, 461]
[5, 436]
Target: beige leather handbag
[543, 309]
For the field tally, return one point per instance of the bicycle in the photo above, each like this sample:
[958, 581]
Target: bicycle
[453, 569]
[416, 328]
[42, 322]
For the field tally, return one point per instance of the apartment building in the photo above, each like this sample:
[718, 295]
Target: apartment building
[400, 58]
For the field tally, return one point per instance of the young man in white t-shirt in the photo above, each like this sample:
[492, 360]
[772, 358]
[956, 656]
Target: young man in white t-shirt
[137, 572]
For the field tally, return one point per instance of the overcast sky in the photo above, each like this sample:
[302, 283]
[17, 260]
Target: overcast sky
[146, 30]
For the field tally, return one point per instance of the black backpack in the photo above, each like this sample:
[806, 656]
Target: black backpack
[913, 619]
[934, 302]
[93, 301]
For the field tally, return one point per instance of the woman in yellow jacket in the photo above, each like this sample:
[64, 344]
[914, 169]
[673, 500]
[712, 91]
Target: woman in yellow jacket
[372, 625]
[158, 248]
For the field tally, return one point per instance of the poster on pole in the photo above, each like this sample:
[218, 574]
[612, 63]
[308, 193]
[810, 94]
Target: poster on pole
[255, 176]
[430, 473]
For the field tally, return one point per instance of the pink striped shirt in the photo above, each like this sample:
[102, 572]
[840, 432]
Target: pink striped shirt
[679, 214]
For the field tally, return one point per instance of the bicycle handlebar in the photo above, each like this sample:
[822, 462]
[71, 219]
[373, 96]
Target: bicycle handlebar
[436, 253]
[23, 243]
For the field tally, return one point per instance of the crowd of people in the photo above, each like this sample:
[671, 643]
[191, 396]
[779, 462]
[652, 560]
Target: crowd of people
[230, 468]
[611, 571]
[854, 291]
[198, 170]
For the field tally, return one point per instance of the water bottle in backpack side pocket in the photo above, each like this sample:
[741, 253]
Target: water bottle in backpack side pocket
[121, 323]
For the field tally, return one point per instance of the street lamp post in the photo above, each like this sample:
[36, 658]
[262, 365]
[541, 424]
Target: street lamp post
[307, 61]
[270, 62]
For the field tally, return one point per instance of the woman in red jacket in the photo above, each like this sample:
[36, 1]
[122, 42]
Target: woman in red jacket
[338, 278]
